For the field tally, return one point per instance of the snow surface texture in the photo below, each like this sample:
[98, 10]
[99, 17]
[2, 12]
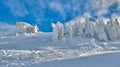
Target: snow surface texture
[100, 30]
[104, 60]
[24, 51]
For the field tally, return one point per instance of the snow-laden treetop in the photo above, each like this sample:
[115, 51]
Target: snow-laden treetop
[101, 29]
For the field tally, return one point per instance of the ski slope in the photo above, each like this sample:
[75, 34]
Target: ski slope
[39, 49]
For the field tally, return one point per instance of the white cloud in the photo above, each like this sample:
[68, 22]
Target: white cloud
[17, 8]
[100, 7]
[92, 7]
[101, 12]
[72, 7]
[97, 8]
[56, 6]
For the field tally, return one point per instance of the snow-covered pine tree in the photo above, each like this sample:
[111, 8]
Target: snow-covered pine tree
[74, 28]
[117, 27]
[68, 30]
[89, 30]
[55, 32]
[58, 31]
[100, 30]
[80, 26]
[111, 31]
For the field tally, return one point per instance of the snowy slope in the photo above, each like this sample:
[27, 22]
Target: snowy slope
[105, 60]
[39, 48]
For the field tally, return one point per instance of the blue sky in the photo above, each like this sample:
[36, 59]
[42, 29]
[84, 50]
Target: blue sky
[45, 12]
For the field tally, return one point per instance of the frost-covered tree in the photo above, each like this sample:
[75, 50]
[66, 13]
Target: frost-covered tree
[111, 31]
[68, 30]
[117, 27]
[100, 31]
[74, 28]
[58, 31]
[80, 27]
[55, 32]
[89, 30]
